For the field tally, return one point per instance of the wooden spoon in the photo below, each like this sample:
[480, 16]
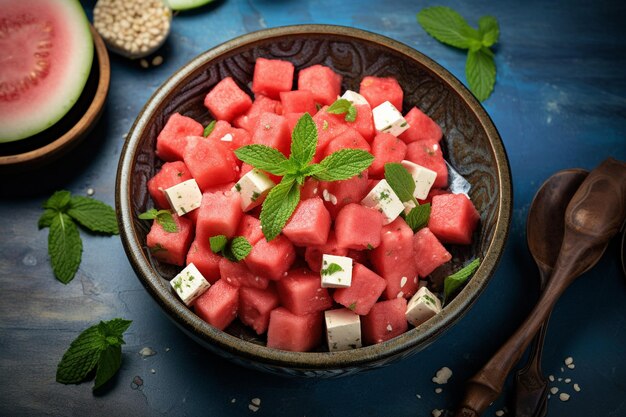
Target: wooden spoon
[544, 234]
[593, 216]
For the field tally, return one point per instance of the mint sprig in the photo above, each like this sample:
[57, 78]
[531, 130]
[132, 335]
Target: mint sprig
[418, 217]
[452, 282]
[163, 217]
[342, 106]
[209, 128]
[99, 347]
[65, 246]
[282, 200]
[449, 27]
[235, 250]
[402, 183]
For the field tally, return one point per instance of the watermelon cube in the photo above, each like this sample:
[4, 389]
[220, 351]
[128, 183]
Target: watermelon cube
[170, 247]
[292, 119]
[433, 192]
[328, 127]
[359, 256]
[298, 101]
[226, 100]
[364, 122]
[429, 155]
[271, 259]
[385, 148]
[313, 254]
[219, 214]
[255, 306]
[249, 119]
[322, 81]
[172, 139]
[367, 286]
[385, 321]
[453, 218]
[171, 173]
[207, 262]
[218, 305]
[350, 138]
[232, 137]
[250, 228]
[358, 227]
[309, 224]
[394, 259]
[421, 127]
[288, 331]
[338, 194]
[301, 292]
[238, 275]
[210, 162]
[377, 90]
[310, 189]
[429, 252]
[272, 130]
[272, 76]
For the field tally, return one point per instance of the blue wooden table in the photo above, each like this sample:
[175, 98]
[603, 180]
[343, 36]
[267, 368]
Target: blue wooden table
[559, 102]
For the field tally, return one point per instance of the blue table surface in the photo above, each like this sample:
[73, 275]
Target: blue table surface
[559, 102]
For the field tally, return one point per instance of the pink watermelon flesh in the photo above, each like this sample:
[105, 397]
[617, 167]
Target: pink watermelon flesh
[300, 291]
[364, 122]
[218, 305]
[272, 130]
[172, 140]
[171, 173]
[171, 247]
[272, 76]
[237, 138]
[288, 331]
[429, 252]
[349, 139]
[219, 214]
[298, 101]
[338, 194]
[207, 262]
[358, 227]
[211, 163]
[309, 224]
[255, 306]
[271, 259]
[328, 127]
[377, 90]
[226, 100]
[385, 148]
[238, 275]
[313, 254]
[367, 286]
[429, 155]
[394, 259]
[421, 127]
[250, 228]
[249, 119]
[385, 321]
[322, 81]
[453, 218]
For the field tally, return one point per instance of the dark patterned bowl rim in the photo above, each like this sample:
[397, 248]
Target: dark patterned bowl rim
[414, 339]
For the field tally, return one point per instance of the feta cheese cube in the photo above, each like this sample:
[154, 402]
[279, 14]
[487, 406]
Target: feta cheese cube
[408, 206]
[253, 187]
[184, 197]
[354, 97]
[388, 119]
[343, 329]
[227, 138]
[189, 284]
[385, 200]
[424, 178]
[422, 306]
[336, 271]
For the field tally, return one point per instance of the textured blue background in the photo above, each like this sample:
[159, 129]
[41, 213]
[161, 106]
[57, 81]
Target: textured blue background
[559, 102]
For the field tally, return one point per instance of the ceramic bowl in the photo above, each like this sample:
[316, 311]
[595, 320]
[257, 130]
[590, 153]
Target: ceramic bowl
[471, 144]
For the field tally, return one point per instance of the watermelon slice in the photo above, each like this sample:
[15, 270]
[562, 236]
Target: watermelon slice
[47, 54]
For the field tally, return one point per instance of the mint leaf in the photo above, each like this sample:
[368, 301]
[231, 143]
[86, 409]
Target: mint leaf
[163, 217]
[218, 243]
[400, 181]
[93, 214]
[46, 218]
[303, 141]
[344, 164]
[115, 328]
[240, 247]
[447, 26]
[351, 114]
[454, 281]
[352, 306]
[149, 215]
[342, 106]
[263, 157]
[109, 362]
[209, 128]
[58, 201]
[278, 207]
[480, 70]
[331, 269]
[418, 217]
[489, 30]
[65, 247]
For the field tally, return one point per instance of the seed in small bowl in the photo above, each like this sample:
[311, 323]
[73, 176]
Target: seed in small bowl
[132, 28]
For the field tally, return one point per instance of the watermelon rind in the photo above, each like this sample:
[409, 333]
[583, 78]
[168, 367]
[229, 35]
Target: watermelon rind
[186, 4]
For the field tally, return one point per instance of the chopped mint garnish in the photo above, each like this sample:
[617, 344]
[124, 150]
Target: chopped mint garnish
[331, 269]
[352, 306]
[163, 217]
[454, 281]
[209, 128]
[235, 250]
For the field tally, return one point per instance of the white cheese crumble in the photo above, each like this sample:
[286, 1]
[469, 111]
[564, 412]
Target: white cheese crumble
[438, 390]
[189, 284]
[145, 352]
[423, 178]
[387, 119]
[563, 396]
[329, 197]
[442, 376]
[253, 187]
[569, 360]
[437, 413]
[385, 200]
[422, 306]
[354, 97]
[336, 271]
[227, 138]
[343, 329]
[576, 387]
[184, 197]
[554, 390]
[499, 413]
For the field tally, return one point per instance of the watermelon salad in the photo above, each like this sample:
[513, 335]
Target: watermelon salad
[348, 265]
